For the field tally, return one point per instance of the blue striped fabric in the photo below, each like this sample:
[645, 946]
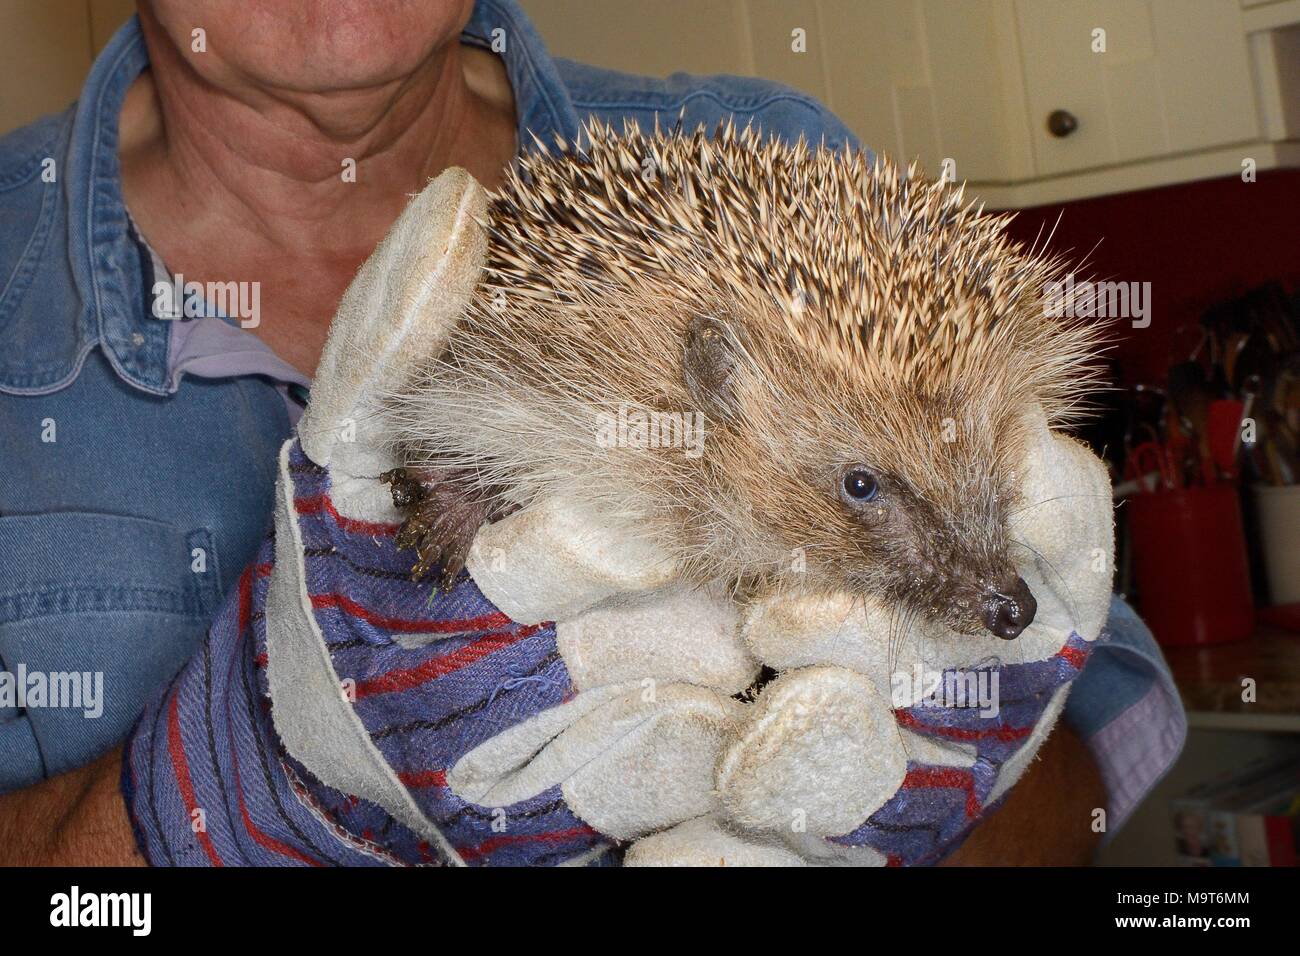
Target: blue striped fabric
[937, 807]
[208, 782]
[425, 708]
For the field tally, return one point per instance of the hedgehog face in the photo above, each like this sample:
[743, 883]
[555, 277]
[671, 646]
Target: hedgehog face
[914, 520]
[893, 493]
[944, 556]
[926, 528]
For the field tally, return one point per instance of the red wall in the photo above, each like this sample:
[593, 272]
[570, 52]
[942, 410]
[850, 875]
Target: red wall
[1197, 244]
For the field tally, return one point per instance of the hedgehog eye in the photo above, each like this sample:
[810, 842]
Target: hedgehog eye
[859, 486]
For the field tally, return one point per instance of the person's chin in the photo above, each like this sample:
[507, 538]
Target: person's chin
[338, 45]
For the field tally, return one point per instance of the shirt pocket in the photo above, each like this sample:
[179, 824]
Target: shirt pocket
[96, 611]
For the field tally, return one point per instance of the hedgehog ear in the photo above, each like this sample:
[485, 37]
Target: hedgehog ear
[710, 356]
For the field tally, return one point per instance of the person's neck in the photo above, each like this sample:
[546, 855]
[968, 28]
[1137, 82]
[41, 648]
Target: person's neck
[248, 184]
[305, 170]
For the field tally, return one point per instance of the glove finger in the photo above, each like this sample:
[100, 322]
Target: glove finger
[866, 635]
[1064, 527]
[819, 753]
[627, 759]
[559, 558]
[705, 842]
[409, 293]
[673, 634]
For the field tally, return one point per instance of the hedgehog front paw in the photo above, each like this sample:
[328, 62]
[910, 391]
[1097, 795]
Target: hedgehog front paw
[442, 517]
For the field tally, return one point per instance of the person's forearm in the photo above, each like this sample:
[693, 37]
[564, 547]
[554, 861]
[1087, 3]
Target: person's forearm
[77, 819]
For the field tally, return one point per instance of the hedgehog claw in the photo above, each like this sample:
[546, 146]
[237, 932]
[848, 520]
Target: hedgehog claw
[450, 569]
[428, 553]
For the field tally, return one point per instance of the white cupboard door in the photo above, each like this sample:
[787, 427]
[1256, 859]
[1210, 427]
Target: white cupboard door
[1166, 77]
[929, 79]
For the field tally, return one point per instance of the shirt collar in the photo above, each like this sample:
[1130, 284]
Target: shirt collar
[542, 103]
[98, 233]
[109, 273]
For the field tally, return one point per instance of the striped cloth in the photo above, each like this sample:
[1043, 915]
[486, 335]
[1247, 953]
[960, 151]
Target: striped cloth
[937, 806]
[432, 676]
[208, 782]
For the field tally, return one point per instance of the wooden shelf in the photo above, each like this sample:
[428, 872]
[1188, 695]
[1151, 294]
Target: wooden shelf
[1210, 681]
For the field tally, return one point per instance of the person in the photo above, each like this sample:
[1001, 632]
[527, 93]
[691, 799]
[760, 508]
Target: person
[273, 145]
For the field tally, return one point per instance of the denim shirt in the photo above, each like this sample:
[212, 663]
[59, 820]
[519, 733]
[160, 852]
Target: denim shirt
[132, 494]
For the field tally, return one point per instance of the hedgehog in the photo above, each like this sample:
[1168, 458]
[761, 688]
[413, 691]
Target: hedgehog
[849, 346]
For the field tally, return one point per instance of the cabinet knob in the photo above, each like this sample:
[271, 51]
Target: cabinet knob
[1062, 123]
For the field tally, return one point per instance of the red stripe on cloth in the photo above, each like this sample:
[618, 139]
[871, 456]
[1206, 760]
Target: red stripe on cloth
[245, 598]
[953, 778]
[181, 767]
[1000, 732]
[423, 778]
[938, 777]
[496, 843]
[1073, 656]
[318, 503]
[437, 667]
[407, 625]
[262, 838]
[246, 604]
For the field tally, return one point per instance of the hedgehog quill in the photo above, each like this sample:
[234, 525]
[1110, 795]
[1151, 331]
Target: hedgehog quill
[860, 344]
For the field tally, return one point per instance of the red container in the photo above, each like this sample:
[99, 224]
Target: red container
[1189, 556]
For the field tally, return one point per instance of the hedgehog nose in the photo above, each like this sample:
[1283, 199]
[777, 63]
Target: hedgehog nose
[1006, 611]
